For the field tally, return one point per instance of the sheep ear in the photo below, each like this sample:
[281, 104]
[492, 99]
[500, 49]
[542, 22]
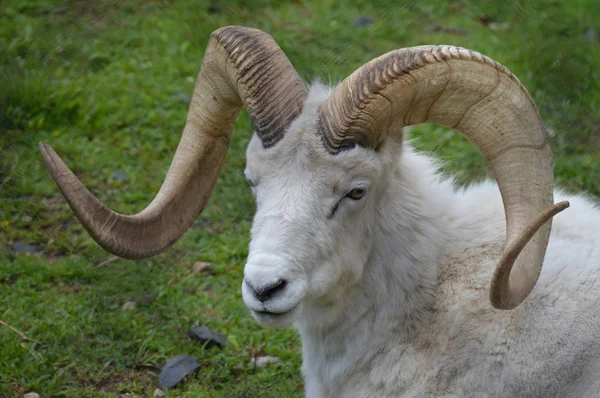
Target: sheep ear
[241, 66]
[481, 99]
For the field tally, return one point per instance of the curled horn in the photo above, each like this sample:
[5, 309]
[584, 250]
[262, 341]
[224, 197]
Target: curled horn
[466, 91]
[241, 67]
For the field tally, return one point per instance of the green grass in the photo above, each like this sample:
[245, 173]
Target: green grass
[103, 82]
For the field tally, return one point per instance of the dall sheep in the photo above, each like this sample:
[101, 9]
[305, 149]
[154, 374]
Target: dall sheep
[381, 265]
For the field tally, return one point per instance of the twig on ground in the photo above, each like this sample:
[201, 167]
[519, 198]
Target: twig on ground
[17, 331]
[106, 262]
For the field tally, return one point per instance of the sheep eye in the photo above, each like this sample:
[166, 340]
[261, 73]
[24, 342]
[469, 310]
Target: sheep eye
[356, 193]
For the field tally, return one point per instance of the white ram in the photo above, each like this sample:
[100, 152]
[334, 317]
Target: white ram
[381, 265]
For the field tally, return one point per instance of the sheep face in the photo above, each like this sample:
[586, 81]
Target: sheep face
[310, 235]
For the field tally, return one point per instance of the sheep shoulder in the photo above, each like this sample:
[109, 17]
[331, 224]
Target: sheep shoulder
[549, 346]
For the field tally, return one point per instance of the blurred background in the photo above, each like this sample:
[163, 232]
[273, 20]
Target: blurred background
[108, 83]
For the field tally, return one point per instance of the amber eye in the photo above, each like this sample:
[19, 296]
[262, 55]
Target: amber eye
[356, 193]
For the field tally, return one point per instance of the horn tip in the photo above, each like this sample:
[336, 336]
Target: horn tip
[49, 155]
[559, 207]
[44, 147]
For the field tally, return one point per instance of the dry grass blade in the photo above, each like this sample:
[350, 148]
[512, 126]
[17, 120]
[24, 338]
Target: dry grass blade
[106, 262]
[17, 331]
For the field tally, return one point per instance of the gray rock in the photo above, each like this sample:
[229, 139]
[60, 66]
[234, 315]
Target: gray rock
[119, 176]
[25, 247]
[207, 336]
[176, 369]
[591, 35]
[363, 21]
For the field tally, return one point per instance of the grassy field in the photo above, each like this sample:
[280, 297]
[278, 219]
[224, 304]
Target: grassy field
[107, 84]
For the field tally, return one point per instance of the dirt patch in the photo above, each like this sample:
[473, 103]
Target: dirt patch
[73, 288]
[129, 384]
[111, 383]
[17, 389]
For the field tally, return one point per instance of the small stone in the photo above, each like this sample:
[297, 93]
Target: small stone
[363, 21]
[499, 25]
[200, 266]
[119, 176]
[176, 369]
[129, 305]
[31, 395]
[158, 393]
[591, 35]
[146, 299]
[205, 335]
[25, 247]
[261, 362]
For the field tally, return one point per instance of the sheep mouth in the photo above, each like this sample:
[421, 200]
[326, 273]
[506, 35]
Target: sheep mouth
[276, 319]
[274, 313]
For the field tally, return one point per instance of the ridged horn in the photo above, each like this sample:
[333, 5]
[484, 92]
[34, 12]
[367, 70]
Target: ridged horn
[241, 67]
[469, 92]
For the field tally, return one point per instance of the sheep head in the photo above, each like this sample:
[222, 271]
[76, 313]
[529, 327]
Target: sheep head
[314, 212]
[349, 133]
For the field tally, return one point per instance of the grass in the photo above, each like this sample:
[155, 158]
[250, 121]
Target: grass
[106, 83]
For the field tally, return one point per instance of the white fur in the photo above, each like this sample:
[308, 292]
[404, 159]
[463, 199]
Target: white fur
[390, 295]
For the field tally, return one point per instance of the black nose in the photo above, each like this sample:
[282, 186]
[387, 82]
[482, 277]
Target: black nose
[266, 292]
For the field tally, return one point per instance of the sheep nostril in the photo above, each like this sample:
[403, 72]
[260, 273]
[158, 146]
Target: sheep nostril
[264, 293]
